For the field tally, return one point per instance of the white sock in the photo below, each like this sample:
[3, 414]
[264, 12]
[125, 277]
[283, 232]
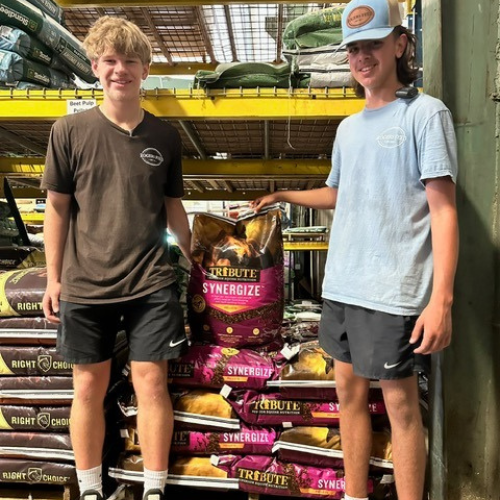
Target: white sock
[90, 479]
[155, 480]
[347, 497]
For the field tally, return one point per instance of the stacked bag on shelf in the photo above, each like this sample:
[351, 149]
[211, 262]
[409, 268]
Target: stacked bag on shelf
[255, 407]
[311, 46]
[36, 49]
[312, 58]
[235, 299]
[36, 384]
[35, 387]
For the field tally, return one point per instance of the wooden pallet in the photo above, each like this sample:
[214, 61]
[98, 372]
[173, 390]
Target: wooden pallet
[11, 491]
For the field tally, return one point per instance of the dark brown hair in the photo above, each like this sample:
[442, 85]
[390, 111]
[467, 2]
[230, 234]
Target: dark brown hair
[406, 68]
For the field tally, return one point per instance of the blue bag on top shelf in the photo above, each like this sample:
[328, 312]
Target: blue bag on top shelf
[50, 8]
[14, 68]
[16, 40]
[25, 16]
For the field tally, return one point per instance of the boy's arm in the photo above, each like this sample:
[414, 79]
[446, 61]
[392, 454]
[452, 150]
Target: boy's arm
[178, 224]
[321, 198]
[55, 229]
[435, 321]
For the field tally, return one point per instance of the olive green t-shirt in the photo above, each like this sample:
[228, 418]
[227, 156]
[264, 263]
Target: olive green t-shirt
[118, 180]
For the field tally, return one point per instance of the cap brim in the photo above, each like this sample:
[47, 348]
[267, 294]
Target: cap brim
[373, 34]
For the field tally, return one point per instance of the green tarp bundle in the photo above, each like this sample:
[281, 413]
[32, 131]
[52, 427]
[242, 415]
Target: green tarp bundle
[25, 16]
[246, 75]
[315, 29]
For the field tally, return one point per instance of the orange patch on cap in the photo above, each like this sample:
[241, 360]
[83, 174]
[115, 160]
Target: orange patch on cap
[360, 16]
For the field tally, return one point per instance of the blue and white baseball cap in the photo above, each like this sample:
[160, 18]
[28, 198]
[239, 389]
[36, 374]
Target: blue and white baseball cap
[369, 20]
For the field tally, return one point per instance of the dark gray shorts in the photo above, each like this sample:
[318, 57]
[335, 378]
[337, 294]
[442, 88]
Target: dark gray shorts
[154, 325]
[375, 343]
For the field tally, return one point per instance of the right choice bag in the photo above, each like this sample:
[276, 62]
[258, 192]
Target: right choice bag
[236, 288]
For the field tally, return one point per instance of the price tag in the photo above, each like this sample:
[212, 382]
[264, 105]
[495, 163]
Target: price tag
[78, 105]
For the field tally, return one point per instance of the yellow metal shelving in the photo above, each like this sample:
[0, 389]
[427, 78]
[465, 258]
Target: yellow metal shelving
[32, 217]
[305, 245]
[233, 104]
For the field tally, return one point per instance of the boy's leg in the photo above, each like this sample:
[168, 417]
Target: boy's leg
[377, 344]
[86, 338]
[155, 327]
[408, 439]
[155, 420]
[87, 423]
[355, 428]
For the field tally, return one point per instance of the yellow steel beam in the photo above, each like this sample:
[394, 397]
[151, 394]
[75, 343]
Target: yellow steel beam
[248, 104]
[32, 217]
[180, 68]
[26, 166]
[24, 193]
[305, 245]
[215, 195]
[256, 168]
[33, 166]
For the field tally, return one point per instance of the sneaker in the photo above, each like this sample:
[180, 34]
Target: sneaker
[153, 495]
[91, 495]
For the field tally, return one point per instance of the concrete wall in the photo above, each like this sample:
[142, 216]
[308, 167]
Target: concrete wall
[470, 462]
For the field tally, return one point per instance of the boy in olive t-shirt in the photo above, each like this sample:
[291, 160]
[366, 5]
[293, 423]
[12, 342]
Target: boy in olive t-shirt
[114, 181]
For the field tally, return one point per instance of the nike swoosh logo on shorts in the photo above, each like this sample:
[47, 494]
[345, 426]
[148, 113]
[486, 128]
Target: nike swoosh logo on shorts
[387, 366]
[174, 344]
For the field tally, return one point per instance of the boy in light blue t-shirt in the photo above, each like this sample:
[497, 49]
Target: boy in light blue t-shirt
[388, 286]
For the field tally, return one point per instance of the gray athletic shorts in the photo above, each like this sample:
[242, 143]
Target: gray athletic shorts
[154, 325]
[375, 343]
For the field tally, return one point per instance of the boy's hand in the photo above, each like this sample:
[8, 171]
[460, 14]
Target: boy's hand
[258, 204]
[51, 302]
[434, 326]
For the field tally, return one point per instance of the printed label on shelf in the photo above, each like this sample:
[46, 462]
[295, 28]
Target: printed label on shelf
[78, 105]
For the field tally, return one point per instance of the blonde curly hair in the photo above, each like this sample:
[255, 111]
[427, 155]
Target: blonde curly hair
[117, 34]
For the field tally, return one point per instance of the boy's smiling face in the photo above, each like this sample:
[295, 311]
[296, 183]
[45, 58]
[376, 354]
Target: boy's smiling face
[373, 62]
[120, 75]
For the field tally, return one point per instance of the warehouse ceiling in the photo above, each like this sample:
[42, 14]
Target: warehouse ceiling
[195, 36]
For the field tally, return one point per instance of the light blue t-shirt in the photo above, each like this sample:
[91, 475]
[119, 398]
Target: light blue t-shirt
[380, 254]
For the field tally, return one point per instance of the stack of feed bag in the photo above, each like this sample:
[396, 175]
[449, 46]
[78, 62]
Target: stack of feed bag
[36, 50]
[233, 427]
[311, 46]
[36, 386]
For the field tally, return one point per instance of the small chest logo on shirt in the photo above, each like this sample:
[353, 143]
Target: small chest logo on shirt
[152, 157]
[392, 138]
